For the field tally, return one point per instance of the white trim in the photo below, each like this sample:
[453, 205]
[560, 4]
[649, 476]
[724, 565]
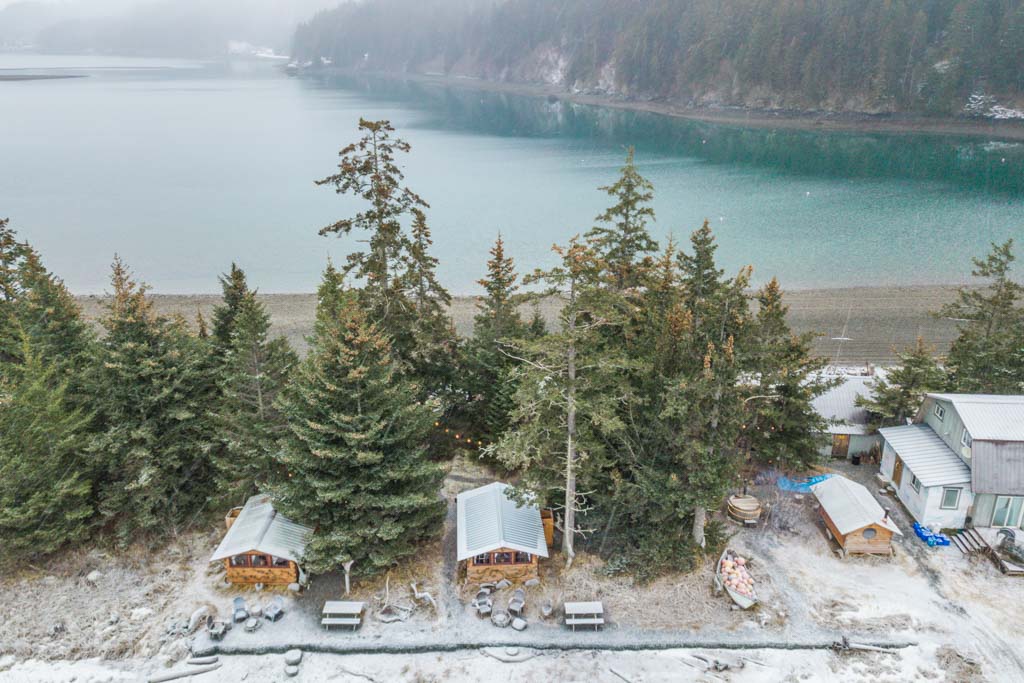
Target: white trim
[939, 411]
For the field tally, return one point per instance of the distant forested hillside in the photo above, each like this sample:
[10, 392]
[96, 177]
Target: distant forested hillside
[924, 56]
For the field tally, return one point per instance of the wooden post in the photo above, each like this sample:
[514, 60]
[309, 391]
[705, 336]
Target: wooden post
[348, 571]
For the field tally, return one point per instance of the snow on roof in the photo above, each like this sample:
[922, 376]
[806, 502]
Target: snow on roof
[260, 528]
[488, 520]
[838, 404]
[926, 455]
[989, 417]
[850, 505]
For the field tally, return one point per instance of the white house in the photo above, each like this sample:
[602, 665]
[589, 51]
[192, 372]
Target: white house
[849, 433]
[962, 462]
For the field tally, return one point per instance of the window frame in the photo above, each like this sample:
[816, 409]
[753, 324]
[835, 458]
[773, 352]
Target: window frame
[942, 500]
[240, 561]
[915, 483]
[939, 411]
[965, 439]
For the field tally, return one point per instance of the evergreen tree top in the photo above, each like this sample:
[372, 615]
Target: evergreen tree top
[234, 287]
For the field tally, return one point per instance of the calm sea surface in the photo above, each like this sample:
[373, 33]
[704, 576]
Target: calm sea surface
[183, 167]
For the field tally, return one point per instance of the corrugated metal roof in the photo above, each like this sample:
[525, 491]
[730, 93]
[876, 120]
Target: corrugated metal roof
[989, 417]
[259, 528]
[926, 455]
[838, 404]
[850, 505]
[488, 520]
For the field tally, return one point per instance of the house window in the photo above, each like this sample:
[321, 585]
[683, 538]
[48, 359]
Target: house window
[482, 559]
[940, 412]
[1007, 511]
[260, 561]
[965, 439]
[869, 533]
[522, 558]
[915, 483]
[279, 562]
[502, 558]
[950, 499]
[240, 561]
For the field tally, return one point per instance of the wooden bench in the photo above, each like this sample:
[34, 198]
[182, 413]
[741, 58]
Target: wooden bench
[354, 622]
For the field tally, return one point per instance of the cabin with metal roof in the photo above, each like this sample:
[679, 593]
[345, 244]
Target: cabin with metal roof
[849, 434]
[965, 459]
[853, 518]
[498, 536]
[262, 546]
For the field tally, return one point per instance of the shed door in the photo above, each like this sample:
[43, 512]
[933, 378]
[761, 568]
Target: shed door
[840, 445]
[897, 472]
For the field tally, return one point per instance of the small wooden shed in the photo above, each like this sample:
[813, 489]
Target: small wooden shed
[854, 518]
[262, 546]
[497, 537]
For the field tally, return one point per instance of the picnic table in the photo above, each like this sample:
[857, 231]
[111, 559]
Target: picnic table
[584, 614]
[343, 613]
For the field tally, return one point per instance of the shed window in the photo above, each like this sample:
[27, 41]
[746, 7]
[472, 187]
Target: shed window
[915, 483]
[869, 533]
[522, 558]
[482, 558]
[279, 561]
[260, 561]
[502, 558]
[239, 560]
[940, 412]
[950, 499]
[965, 439]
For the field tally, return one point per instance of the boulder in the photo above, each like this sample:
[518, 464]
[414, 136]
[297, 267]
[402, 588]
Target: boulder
[94, 576]
[293, 657]
[291, 670]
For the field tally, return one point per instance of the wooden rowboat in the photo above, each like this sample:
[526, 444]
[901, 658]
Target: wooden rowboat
[744, 601]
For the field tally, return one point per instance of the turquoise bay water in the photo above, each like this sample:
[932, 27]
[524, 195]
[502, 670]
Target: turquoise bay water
[183, 167]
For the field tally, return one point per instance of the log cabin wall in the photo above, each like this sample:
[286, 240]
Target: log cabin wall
[269, 576]
[492, 573]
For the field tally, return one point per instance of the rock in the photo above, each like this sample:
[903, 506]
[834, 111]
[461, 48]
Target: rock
[292, 657]
[198, 618]
[503, 584]
[291, 670]
[519, 624]
[57, 629]
[140, 613]
[294, 587]
[532, 582]
[94, 576]
[114, 618]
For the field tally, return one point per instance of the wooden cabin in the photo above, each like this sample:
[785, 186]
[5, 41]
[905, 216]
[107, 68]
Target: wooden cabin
[262, 546]
[497, 537]
[853, 518]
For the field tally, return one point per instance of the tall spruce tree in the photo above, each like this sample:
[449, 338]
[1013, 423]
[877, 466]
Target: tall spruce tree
[988, 354]
[569, 387]
[896, 396]
[621, 237]
[782, 427]
[492, 384]
[234, 289]
[45, 490]
[254, 369]
[152, 388]
[354, 465]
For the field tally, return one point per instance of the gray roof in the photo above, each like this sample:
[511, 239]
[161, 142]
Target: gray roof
[260, 528]
[838, 404]
[850, 505]
[989, 417]
[488, 520]
[926, 455]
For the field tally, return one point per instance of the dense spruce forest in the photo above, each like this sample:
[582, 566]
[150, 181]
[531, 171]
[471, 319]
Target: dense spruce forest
[938, 57]
[664, 383]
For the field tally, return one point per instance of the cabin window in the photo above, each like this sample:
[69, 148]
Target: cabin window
[869, 533]
[915, 483]
[502, 558]
[240, 561]
[522, 558]
[482, 559]
[950, 499]
[279, 561]
[965, 439]
[260, 561]
[940, 412]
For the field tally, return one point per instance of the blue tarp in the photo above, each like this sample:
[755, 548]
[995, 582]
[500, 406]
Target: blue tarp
[801, 486]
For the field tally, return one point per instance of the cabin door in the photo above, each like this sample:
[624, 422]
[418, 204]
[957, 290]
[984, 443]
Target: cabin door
[897, 472]
[840, 445]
